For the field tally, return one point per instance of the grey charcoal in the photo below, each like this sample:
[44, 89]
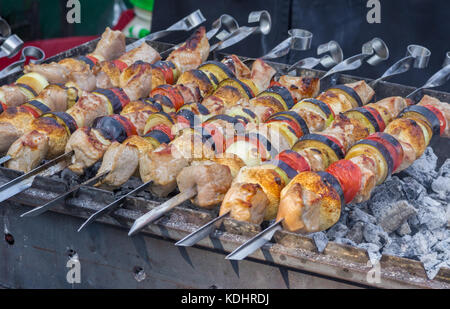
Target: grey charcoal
[338, 230]
[395, 215]
[414, 191]
[385, 194]
[321, 241]
[431, 264]
[345, 241]
[358, 215]
[356, 233]
[432, 214]
[376, 235]
[445, 169]
[424, 168]
[400, 246]
[404, 229]
[441, 186]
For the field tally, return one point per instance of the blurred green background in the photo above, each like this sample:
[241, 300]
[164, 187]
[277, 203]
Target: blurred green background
[35, 19]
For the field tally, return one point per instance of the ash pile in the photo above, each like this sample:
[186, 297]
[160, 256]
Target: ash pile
[408, 216]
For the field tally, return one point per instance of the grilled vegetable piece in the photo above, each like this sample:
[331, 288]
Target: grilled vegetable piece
[349, 176]
[444, 109]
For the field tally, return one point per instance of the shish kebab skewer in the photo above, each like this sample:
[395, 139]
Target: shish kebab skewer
[376, 49]
[289, 82]
[224, 90]
[107, 75]
[15, 122]
[176, 55]
[417, 57]
[312, 201]
[367, 164]
[110, 47]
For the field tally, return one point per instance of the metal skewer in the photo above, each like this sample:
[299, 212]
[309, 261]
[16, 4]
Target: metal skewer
[186, 24]
[255, 243]
[225, 21]
[177, 200]
[438, 79]
[202, 232]
[298, 39]
[374, 52]
[113, 206]
[264, 27]
[29, 51]
[332, 55]
[416, 56]
[160, 210]
[265, 236]
[25, 181]
[41, 209]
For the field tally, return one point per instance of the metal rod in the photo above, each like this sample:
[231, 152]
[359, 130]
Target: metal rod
[186, 24]
[201, 232]
[255, 243]
[375, 51]
[23, 182]
[416, 56]
[41, 209]
[159, 211]
[5, 159]
[113, 206]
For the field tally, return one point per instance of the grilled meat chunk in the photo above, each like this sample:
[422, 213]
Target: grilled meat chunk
[191, 53]
[235, 64]
[300, 87]
[245, 202]
[262, 74]
[11, 95]
[88, 146]
[122, 160]
[308, 204]
[111, 45]
[212, 181]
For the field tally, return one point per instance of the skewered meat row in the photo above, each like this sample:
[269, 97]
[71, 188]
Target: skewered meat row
[313, 152]
[180, 97]
[259, 146]
[79, 70]
[313, 200]
[137, 80]
[37, 77]
[165, 162]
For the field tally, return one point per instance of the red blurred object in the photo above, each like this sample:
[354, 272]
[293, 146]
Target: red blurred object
[52, 47]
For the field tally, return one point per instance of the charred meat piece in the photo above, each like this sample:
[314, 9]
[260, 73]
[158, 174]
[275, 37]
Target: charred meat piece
[300, 87]
[235, 64]
[245, 202]
[111, 45]
[308, 204]
[122, 160]
[88, 146]
[191, 53]
[212, 181]
[262, 74]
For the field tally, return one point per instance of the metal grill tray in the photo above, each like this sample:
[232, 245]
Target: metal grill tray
[292, 251]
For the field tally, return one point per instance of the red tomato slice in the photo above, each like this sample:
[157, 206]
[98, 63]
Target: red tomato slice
[295, 160]
[120, 65]
[396, 151]
[440, 116]
[127, 124]
[164, 128]
[349, 176]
